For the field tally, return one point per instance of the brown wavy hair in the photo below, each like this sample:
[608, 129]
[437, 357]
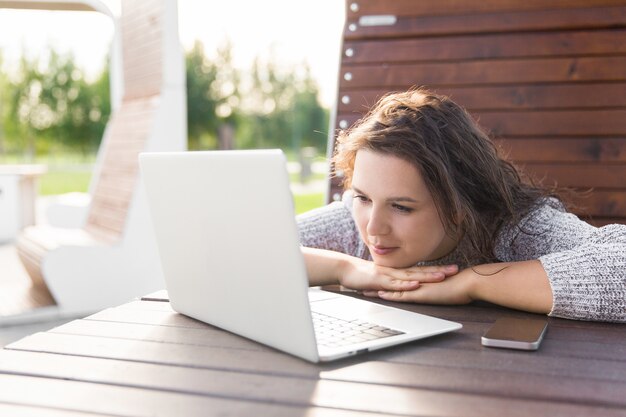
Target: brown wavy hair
[475, 191]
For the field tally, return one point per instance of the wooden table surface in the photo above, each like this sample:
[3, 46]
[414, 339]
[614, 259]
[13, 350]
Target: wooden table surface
[143, 359]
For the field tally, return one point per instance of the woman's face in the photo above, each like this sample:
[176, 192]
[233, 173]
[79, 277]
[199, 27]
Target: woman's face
[395, 213]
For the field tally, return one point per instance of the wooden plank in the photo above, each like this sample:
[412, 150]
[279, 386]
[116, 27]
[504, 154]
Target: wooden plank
[539, 124]
[225, 384]
[461, 349]
[452, 7]
[494, 382]
[113, 202]
[137, 402]
[470, 341]
[330, 394]
[106, 187]
[505, 361]
[250, 387]
[570, 123]
[149, 303]
[123, 176]
[487, 72]
[603, 221]
[263, 360]
[603, 176]
[108, 225]
[205, 336]
[506, 97]
[563, 149]
[610, 336]
[456, 24]
[602, 203]
[157, 318]
[486, 46]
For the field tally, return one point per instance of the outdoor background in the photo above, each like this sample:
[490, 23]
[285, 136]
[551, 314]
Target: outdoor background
[259, 75]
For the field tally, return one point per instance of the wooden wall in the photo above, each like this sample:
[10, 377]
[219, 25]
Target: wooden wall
[546, 78]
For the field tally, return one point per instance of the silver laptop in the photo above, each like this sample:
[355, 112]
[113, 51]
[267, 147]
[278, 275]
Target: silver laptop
[230, 253]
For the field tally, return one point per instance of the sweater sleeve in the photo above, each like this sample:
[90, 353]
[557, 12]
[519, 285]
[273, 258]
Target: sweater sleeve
[586, 265]
[331, 227]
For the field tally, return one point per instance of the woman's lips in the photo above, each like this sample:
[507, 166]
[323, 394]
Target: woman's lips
[382, 250]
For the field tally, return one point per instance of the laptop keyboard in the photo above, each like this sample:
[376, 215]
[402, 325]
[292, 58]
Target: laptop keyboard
[335, 332]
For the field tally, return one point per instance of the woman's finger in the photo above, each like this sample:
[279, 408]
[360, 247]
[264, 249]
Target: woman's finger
[399, 285]
[402, 296]
[423, 273]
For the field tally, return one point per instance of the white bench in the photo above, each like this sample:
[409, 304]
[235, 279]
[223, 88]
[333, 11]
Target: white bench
[113, 257]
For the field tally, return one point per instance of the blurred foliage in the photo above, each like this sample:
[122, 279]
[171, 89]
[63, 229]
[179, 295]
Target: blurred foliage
[265, 107]
[47, 106]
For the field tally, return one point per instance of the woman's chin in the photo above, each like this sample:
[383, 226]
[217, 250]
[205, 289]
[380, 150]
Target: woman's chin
[389, 262]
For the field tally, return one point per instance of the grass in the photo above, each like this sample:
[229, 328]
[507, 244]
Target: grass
[60, 182]
[306, 202]
[66, 171]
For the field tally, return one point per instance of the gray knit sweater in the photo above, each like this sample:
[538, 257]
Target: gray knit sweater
[586, 265]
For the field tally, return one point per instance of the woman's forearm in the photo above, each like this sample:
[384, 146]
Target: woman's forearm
[323, 266]
[520, 285]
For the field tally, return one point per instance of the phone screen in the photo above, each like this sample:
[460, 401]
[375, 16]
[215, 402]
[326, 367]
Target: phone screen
[514, 333]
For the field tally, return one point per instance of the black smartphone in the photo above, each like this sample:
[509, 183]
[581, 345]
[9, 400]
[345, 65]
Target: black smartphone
[524, 334]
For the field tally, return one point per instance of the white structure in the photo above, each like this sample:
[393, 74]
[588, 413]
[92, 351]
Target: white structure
[18, 190]
[113, 258]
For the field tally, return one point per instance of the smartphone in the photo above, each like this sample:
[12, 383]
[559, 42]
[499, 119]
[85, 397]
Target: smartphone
[524, 334]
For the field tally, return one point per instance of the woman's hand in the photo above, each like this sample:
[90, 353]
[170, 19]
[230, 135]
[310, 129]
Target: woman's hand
[456, 289]
[359, 274]
[325, 267]
[521, 285]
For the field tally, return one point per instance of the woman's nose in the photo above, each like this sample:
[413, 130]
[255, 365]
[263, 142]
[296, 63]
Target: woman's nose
[377, 224]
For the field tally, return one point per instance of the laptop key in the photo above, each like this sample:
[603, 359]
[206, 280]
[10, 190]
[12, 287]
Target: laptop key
[334, 332]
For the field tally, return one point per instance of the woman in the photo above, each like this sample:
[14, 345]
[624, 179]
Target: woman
[432, 215]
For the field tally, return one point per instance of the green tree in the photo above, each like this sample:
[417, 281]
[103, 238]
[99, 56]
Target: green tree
[55, 107]
[4, 88]
[212, 95]
[24, 115]
[311, 119]
[79, 110]
[282, 109]
[269, 106]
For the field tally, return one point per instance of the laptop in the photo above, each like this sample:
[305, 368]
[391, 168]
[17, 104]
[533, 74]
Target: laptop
[229, 247]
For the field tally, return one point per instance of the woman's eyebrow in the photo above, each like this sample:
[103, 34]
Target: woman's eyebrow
[401, 199]
[357, 190]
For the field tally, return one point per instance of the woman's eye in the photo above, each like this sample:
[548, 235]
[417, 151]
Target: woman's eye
[361, 198]
[403, 209]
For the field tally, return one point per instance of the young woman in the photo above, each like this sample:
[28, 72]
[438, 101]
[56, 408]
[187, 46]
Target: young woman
[431, 214]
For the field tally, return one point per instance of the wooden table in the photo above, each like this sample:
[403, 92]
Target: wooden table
[142, 359]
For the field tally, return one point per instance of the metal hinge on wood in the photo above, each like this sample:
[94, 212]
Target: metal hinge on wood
[378, 20]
